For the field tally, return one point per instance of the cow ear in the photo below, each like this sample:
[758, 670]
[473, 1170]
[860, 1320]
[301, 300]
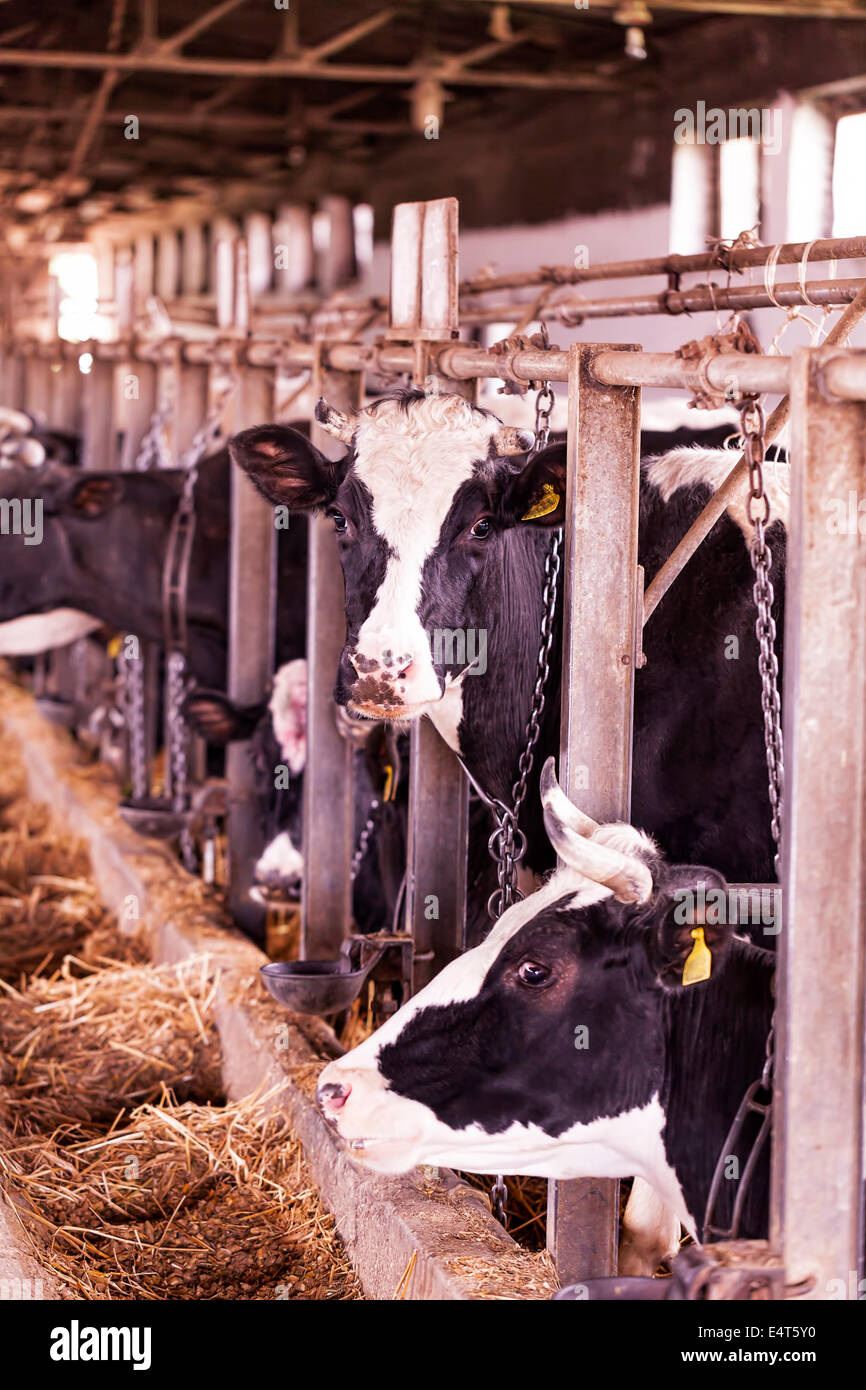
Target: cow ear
[91, 496]
[536, 495]
[218, 719]
[689, 928]
[286, 468]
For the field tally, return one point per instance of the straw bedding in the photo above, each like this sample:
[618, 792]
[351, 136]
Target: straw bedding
[130, 1175]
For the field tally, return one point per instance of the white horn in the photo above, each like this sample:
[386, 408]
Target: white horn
[508, 439]
[626, 876]
[28, 451]
[334, 422]
[567, 812]
[15, 420]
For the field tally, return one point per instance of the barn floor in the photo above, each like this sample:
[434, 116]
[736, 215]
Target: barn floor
[155, 1112]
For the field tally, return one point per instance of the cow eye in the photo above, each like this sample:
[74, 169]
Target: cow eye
[340, 522]
[534, 974]
[481, 528]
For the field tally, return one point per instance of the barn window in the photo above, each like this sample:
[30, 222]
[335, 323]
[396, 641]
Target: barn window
[692, 198]
[810, 167]
[739, 186]
[362, 217]
[849, 187]
[75, 273]
[715, 191]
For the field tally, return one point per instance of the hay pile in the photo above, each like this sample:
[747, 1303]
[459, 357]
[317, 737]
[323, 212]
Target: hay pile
[130, 1176]
[48, 908]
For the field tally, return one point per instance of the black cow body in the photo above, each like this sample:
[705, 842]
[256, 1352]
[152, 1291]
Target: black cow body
[104, 542]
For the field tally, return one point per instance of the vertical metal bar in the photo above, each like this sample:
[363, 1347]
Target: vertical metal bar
[423, 307]
[14, 390]
[138, 396]
[36, 388]
[252, 612]
[65, 394]
[329, 802]
[191, 396]
[601, 559]
[435, 854]
[336, 256]
[294, 258]
[99, 411]
[817, 1216]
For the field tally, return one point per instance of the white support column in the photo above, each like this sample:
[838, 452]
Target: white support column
[293, 248]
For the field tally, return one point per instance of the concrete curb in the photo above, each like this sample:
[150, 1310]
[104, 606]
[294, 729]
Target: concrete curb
[384, 1222]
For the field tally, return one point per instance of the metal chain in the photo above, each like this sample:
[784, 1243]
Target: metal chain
[205, 437]
[758, 1099]
[153, 452]
[177, 675]
[507, 844]
[178, 751]
[498, 1198]
[131, 672]
[364, 840]
[765, 626]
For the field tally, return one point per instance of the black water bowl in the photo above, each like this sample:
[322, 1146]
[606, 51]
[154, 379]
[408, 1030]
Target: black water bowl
[316, 986]
[56, 711]
[152, 816]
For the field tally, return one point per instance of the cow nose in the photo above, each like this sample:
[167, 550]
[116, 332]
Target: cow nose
[332, 1097]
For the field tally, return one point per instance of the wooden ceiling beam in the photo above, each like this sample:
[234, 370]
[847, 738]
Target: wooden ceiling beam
[346, 37]
[575, 80]
[176, 41]
[197, 119]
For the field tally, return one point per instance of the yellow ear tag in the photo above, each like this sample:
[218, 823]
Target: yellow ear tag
[699, 962]
[113, 648]
[543, 505]
[389, 783]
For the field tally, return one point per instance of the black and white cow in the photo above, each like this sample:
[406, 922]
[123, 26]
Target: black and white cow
[566, 1045]
[276, 732]
[99, 561]
[440, 529]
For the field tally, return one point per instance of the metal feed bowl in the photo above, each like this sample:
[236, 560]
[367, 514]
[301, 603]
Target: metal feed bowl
[153, 817]
[317, 986]
[56, 711]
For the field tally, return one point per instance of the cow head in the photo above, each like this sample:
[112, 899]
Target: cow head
[278, 747]
[542, 1050]
[43, 578]
[421, 502]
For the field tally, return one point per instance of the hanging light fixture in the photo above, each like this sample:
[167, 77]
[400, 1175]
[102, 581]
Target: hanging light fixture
[634, 16]
[427, 104]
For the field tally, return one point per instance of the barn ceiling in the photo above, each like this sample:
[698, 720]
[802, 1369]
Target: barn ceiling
[294, 98]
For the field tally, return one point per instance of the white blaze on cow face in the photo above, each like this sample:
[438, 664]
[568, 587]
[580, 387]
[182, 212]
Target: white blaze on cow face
[281, 864]
[412, 461]
[288, 707]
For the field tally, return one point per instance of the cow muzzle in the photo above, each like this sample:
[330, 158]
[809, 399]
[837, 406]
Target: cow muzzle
[394, 686]
[380, 1129]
